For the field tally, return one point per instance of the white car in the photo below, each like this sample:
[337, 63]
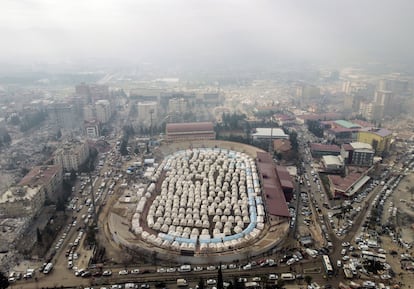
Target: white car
[123, 272]
[171, 270]
[107, 273]
[197, 269]
[211, 268]
[338, 263]
[161, 270]
[248, 266]
[272, 277]
[385, 277]
[211, 282]
[135, 271]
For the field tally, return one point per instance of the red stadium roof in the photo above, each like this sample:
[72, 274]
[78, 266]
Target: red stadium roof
[174, 128]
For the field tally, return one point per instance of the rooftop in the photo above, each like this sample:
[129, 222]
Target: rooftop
[343, 184]
[270, 132]
[325, 147]
[333, 160]
[272, 188]
[282, 145]
[189, 127]
[360, 146]
[382, 132]
[347, 124]
[15, 194]
[39, 175]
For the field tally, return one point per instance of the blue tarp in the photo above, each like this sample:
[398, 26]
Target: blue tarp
[186, 240]
[216, 240]
[233, 237]
[249, 228]
[167, 237]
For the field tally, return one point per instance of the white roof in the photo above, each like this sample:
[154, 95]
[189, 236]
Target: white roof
[361, 146]
[270, 132]
[333, 160]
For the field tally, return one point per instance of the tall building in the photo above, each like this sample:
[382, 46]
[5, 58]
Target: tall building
[306, 91]
[64, 115]
[147, 112]
[103, 110]
[89, 112]
[72, 155]
[177, 105]
[92, 129]
[384, 100]
[366, 110]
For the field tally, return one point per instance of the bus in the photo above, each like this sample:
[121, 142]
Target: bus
[48, 268]
[368, 255]
[327, 265]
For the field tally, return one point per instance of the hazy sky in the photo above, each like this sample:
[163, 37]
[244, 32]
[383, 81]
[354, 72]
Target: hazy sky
[205, 30]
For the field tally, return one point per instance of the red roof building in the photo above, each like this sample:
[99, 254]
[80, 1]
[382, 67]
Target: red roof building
[272, 188]
[190, 131]
[48, 177]
[318, 150]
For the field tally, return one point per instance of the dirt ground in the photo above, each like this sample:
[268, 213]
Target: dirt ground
[405, 207]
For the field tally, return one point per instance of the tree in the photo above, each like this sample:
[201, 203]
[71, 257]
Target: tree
[4, 282]
[39, 236]
[220, 279]
[59, 134]
[238, 284]
[280, 283]
[308, 279]
[60, 205]
[90, 236]
[201, 283]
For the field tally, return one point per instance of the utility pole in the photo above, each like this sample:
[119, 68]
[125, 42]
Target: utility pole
[151, 113]
[270, 142]
[94, 215]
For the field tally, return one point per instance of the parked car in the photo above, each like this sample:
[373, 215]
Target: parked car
[123, 272]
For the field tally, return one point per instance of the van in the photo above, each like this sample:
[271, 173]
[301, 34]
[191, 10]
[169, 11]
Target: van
[287, 276]
[181, 282]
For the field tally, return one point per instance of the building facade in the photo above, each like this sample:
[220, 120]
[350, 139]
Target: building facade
[103, 110]
[379, 138]
[72, 155]
[18, 202]
[358, 154]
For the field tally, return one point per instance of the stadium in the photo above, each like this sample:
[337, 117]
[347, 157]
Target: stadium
[215, 199]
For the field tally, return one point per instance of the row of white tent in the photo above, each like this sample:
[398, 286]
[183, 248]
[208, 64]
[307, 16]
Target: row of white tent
[222, 209]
